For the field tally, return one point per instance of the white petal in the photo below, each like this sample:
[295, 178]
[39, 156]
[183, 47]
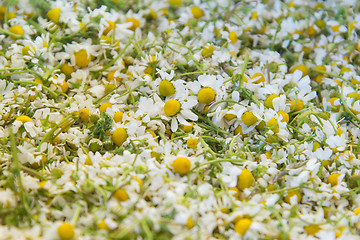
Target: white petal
[174, 124]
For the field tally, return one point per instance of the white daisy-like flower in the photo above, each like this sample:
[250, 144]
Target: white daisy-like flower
[179, 111]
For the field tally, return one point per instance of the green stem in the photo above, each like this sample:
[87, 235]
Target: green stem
[54, 94]
[32, 172]
[206, 146]
[334, 75]
[50, 71]
[76, 215]
[46, 137]
[16, 36]
[192, 73]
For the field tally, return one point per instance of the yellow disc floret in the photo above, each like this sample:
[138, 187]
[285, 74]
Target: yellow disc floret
[67, 69]
[16, 29]
[229, 116]
[182, 165]
[245, 179]
[192, 143]
[102, 225]
[187, 128]
[23, 119]
[273, 125]
[111, 26]
[172, 107]
[84, 114]
[111, 77]
[197, 12]
[249, 118]
[175, 3]
[312, 229]
[356, 211]
[28, 51]
[291, 194]
[121, 195]
[242, 225]
[135, 23]
[234, 191]
[285, 116]
[208, 51]
[64, 87]
[166, 88]
[206, 95]
[296, 105]
[302, 68]
[54, 15]
[269, 100]
[104, 106]
[118, 116]
[233, 37]
[82, 58]
[66, 231]
[190, 223]
[333, 179]
[119, 136]
[259, 77]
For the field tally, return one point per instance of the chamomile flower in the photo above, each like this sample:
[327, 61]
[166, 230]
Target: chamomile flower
[179, 111]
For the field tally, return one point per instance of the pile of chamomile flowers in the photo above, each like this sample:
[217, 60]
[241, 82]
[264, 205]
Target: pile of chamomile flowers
[179, 119]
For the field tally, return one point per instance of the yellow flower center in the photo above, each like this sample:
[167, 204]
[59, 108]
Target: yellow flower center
[192, 143]
[102, 225]
[285, 116]
[233, 37]
[291, 194]
[190, 223]
[172, 107]
[242, 225]
[187, 128]
[302, 68]
[175, 3]
[273, 125]
[16, 29]
[82, 58]
[296, 105]
[312, 229]
[259, 77]
[84, 114]
[118, 116]
[135, 23]
[333, 179]
[245, 179]
[269, 101]
[23, 119]
[249, 118]
[66, 231]
[197, 12]
[119, 136]
[206, 95]
[54, 15]
[64, 87]
[104, 106]
[121, 195]
[28, 51]
[182, 165]
[166, 88]
[229, 116]
[67, 69]
[111, 77]
[208, 51]
[111, 26]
